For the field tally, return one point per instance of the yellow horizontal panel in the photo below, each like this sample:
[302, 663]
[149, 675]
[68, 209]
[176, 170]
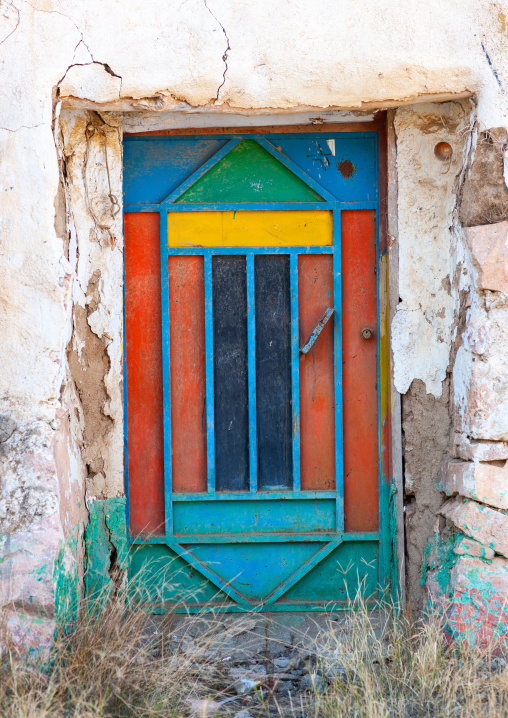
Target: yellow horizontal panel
[299, 228]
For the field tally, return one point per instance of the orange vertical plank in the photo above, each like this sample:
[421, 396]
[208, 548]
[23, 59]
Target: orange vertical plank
[144, 373]
[359, 301]
[188, 377]
[317, 407]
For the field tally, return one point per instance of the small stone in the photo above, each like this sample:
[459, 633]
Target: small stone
[243, 714]
[281, 662]
[202, 708]
[336, 673]
[285, 687]
[485, 482]
[490, 254]
[485, 525]
[244, 685]
[469, 547]
[497, 664]
[312, 682]
[249, 672]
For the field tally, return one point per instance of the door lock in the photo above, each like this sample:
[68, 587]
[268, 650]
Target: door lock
[366, 333]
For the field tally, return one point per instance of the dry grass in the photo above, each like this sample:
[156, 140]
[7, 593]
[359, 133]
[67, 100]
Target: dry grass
[394, 666]
[371, 665]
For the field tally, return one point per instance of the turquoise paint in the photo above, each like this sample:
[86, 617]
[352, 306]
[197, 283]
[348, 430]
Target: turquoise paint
[240, 517]
[255, 570]
[68, 588]
[474, 615]
[477, 615]
[106, 546]
[438, 555]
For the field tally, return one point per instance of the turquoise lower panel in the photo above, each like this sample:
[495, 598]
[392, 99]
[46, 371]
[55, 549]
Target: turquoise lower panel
[244, 517]
[167, 581]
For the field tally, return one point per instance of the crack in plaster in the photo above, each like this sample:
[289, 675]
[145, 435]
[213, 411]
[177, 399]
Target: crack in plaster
[11, 4]
[227, 50]
[25, 127]
[56, 12]
[82, 40]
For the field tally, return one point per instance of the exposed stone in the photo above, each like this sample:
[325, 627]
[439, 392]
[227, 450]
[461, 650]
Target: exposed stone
[470, 450]
[489, 247]
[481, 481]
[480, 379]
[485, 195]
[485, 525]
[469, 547]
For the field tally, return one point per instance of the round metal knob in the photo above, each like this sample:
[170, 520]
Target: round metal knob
[366, 333]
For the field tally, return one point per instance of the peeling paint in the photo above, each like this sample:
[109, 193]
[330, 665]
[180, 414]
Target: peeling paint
[106, 548]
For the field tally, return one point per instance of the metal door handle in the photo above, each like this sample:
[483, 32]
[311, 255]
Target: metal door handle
[317, 330]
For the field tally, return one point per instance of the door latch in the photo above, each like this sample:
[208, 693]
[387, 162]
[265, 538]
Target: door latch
[367, 333]
[317, 330]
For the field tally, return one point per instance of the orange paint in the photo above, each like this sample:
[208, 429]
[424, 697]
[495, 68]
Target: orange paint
[317, 417]
[359, 302]
[188, 378]
[144, 373]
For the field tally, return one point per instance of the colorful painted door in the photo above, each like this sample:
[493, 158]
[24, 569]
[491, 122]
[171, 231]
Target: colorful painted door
[252, 361]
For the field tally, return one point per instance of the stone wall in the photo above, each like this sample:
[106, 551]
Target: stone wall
[476, 476]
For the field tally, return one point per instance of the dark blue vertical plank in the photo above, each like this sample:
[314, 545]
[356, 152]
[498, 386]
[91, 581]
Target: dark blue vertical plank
[273, 371]
[229, 287]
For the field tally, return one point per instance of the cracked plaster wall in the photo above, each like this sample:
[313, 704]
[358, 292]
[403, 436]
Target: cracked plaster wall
[72, 72]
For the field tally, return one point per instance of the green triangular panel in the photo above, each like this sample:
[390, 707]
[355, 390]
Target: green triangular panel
[248, 174]
[160, 576]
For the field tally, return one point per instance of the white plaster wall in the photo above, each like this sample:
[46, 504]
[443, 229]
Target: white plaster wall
[213, 57]
[433, 256]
